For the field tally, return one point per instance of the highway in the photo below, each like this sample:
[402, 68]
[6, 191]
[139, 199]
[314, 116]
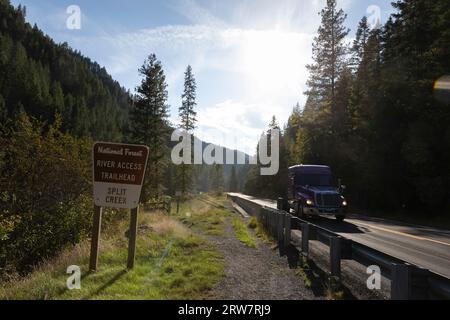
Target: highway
[423, 246]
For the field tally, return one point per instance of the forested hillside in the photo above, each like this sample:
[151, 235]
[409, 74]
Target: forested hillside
[372, 113]
[44, 79]
[53, 104]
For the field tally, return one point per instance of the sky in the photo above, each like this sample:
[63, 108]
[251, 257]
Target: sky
[249, 57]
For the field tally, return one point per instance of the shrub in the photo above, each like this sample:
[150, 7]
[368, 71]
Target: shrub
[45, 183]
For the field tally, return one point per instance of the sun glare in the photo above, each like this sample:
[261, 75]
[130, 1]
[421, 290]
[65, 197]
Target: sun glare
[270, 60]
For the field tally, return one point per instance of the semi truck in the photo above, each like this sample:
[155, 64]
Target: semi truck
[313, 192]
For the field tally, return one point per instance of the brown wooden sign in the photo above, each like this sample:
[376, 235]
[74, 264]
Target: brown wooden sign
[119, 171]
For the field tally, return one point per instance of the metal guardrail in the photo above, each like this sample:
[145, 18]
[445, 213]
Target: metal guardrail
[407, 281]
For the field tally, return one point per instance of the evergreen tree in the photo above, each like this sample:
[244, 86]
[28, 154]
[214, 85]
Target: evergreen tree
[187, 113]
[319, 124]
[329, 54]
[188, 118]
[360, 44]
[149, 124]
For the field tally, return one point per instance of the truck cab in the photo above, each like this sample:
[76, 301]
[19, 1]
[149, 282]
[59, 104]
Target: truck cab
[311, 192]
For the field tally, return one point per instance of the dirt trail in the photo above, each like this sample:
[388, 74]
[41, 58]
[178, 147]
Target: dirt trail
[256, 274]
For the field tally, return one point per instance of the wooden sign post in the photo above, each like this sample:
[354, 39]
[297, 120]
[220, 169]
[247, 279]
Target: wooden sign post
[119, 172]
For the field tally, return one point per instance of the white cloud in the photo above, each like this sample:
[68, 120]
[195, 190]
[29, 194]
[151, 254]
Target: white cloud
[235, 125]
[249, 58]
[248, 69]
[266, 67]
[196, 13]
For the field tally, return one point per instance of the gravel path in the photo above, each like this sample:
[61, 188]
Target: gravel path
[256, 274]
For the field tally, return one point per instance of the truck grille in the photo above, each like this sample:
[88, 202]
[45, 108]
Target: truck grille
[328, 200]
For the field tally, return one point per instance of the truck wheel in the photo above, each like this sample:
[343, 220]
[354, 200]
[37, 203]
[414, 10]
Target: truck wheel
[340, 218]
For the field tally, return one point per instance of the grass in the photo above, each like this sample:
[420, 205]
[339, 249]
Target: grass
[333, 289]
[171, 263]
[242, 233]
[302, 271]
[203, 217]
[252, 223]
[321, 283]
[260, 232]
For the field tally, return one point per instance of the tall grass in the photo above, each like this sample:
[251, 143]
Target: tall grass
[242, 233]
[171, 263]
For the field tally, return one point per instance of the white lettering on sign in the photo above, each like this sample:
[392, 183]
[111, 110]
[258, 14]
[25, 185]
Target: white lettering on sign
[119, 177]
[119, 172]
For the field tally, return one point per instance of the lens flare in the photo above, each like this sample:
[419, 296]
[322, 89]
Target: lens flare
[442, 89]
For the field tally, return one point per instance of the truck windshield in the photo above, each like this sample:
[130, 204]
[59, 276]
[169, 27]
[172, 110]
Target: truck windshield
[319, 180]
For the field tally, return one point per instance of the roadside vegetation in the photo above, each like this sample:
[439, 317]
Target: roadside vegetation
[172, 262]
[202, 217]
[45, 198]
[321, 283]
[242, 233]
[260, 232]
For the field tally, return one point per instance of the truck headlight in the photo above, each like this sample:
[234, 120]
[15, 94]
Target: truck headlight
[309, 202]
[344, 203]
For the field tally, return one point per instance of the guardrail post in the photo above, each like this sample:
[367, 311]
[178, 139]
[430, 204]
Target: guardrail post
[266, 220]
[335, 256]
[280, 202]
[272, 227]
[281, 248]
[305, 239]
[275, 224]
[400, 282]
[261, 215]
[269, 216]
[272, 216]
[287, 230]
[280, 222]
[286, 206]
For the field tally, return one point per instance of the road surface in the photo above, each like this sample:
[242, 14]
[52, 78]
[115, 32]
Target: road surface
[423, 246]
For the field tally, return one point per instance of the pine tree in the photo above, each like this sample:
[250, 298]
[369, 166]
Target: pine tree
[149, 123]
[318, 128]
[360, 44]
[188, 118]
[187, 113]
[329, 54]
